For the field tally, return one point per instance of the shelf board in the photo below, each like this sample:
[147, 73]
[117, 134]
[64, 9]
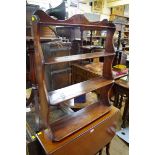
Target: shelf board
[76, 121]
[50, 147]
[89, 47]
[66, 93]
[55, 60]
[119, 16]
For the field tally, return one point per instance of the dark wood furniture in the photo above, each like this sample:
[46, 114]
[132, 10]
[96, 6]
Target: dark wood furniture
[30, 65]
[81, 73]
[57, 75]
[33, 146]
[122, 31]
[93, 125]
[122, 92]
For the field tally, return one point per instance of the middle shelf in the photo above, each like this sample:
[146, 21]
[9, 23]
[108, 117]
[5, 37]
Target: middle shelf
[66, 93]
[55, 60]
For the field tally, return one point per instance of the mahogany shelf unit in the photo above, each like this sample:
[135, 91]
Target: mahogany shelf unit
[73, 123]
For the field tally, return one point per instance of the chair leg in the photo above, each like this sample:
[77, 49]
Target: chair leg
[107, 149]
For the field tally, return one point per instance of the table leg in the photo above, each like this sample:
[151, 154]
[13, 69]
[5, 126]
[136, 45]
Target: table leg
[125, 113]
[100, 152]
[120, 100]
[107, 149]
[116, 100]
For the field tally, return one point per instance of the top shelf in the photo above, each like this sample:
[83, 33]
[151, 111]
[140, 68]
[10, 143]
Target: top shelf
[78, 20]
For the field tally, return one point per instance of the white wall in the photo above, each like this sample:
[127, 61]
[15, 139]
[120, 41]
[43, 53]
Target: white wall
[106, 11]
[81, 8]
[126, 11]
[44, 4]
[86, 8]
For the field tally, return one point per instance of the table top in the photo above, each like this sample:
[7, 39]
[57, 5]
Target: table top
[124, 82]
[51, 147]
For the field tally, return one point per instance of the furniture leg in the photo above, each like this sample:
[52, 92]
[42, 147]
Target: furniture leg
[125, 113]
[120, 101]
[100, 152]
[107, 149]
[116, 100]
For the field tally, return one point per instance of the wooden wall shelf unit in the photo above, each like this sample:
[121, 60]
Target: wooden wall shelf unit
[100, 116]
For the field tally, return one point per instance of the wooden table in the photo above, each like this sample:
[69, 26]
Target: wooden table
[121, 90]
[87, 141]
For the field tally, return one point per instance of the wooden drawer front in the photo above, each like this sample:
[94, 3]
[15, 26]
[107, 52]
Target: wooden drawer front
[87, 144]
[60, 80]
[79, 74]
[56, 49]
[59, 54]
[91, 75]
[59, 66]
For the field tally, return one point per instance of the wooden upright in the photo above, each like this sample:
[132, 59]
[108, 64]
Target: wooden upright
[87, 131]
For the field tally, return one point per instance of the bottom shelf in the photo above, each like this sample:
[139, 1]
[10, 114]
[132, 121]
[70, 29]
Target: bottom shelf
[76, 121]
[95, 134]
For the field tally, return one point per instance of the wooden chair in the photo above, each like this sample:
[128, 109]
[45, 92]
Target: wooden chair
[94, 125]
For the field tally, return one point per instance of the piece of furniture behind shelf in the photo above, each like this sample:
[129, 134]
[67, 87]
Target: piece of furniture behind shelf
[122, 35]
[121, 89]
[81, 73]
[97, 121]
[57, 75]
[47, 35]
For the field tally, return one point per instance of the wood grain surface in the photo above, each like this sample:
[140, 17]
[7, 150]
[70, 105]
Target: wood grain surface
[78, 89]
[55, 60]
[86, 141]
